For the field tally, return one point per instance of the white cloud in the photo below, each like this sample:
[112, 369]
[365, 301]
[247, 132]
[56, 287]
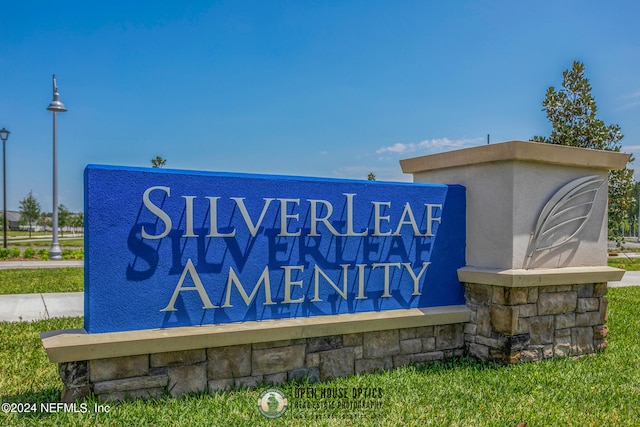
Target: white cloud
[386, 167]
[632, 100]
[429, 146]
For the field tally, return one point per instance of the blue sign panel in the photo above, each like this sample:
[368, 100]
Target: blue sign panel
[181, 248]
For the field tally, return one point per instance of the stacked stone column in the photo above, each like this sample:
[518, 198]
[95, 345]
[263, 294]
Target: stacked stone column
[510, 325]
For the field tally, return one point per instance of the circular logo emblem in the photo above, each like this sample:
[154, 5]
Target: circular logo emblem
[272, 403]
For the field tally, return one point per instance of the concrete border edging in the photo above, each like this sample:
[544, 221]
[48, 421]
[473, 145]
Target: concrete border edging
[520, 278]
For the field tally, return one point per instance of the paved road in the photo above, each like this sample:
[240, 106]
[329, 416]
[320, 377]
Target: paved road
[16, 308]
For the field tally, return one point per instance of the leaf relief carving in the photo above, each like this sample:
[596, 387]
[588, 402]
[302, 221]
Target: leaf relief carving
[565, 214]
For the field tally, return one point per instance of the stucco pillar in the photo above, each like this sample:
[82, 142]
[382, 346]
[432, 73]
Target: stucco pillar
[536, 256]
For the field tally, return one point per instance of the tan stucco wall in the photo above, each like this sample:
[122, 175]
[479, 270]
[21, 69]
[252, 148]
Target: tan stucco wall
[508, 185]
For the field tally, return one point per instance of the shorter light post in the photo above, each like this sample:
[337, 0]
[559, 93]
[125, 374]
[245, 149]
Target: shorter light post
[4, 135]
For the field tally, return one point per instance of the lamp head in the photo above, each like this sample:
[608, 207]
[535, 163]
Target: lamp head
[4, 134]
[56, 105]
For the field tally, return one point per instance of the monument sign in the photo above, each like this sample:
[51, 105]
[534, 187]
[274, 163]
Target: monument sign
[207, 281]
[175, 248]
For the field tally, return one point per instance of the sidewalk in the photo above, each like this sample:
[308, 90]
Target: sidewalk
[12, 265]
[27, 307]
[630, 278]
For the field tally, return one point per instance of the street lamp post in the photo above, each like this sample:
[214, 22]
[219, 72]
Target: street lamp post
[4, 135]
[56, 106]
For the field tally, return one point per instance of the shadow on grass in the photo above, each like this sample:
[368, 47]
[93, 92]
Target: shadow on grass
[456, 363]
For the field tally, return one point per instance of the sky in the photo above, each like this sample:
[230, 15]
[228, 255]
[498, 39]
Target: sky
[313, 88]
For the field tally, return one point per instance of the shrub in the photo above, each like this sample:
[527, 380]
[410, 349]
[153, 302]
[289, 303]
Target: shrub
[43, 254]
[14, 253]
[72, 254]
[29, 253]
[4, 253]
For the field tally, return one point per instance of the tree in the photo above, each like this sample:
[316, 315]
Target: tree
[371, 177]
[77, 221]
[29, 210]
[158, 162]
[632, 210]
[45, 220]
[64, 218]
[572, 113]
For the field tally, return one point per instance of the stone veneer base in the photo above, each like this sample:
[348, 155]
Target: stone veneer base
[139, 364]
[532, 315]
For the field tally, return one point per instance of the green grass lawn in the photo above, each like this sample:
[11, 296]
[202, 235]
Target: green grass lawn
[38, 280]
[24, 233]
[629, 264]
[45, 243]
[598, 390]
